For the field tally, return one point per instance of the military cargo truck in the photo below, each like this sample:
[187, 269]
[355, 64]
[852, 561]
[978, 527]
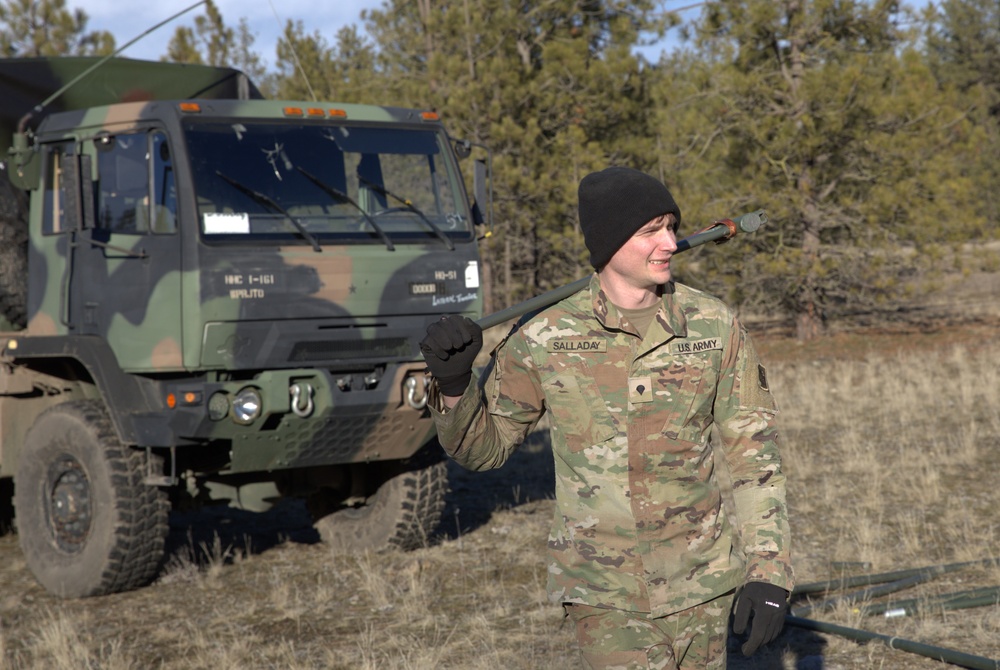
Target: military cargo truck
[209, 296]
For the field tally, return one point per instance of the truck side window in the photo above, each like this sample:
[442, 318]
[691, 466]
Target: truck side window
[123, 189]
[136, 193]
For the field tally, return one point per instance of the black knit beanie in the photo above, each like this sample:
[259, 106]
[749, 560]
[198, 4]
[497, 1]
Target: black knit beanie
[616, 202]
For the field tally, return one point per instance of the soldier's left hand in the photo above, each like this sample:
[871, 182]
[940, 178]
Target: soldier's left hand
[768, 604]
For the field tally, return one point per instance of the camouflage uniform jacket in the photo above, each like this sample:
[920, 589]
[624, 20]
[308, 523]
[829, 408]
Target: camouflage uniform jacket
[640, 522]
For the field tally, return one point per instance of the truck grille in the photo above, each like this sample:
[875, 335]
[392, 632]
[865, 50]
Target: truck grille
[392, 347]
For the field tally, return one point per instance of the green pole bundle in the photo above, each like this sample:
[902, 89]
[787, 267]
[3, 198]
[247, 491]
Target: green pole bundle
[989, 595]
[861, 580]
[939, 653]
[864, 594]
[892, 582]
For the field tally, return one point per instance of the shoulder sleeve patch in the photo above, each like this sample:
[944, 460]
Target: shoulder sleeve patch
[754, 389]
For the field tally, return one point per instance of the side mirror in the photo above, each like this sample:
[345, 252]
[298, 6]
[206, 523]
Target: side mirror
[463, 148]
[25, 166]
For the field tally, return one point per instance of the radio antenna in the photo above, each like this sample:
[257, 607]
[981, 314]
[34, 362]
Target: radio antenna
[22, 124]
[295, 55]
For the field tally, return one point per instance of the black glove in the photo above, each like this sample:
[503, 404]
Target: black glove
[450, 348]
[769, 604]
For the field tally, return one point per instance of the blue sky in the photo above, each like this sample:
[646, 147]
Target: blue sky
[266, 18]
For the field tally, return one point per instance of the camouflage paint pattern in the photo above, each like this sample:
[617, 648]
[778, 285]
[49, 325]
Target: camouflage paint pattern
[175, 313]
[188, 277]
[640, 523]
[612, 639]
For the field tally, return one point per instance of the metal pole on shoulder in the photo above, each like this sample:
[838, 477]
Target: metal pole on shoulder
[719, 232]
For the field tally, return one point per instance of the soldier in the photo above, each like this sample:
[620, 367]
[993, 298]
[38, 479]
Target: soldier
[634, 371]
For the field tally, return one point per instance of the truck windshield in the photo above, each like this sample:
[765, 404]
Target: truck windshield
[313, 184]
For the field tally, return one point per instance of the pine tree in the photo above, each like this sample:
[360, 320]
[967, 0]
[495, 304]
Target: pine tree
[309, 68]
[212, 42]
[816, 111]
[37, 28]
[963, 45]
[963, 50]
[209, 42]
[553, 88]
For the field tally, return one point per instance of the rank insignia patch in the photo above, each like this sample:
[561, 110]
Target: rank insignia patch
[640, 389]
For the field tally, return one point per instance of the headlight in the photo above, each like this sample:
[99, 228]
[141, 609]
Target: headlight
[246, 405]
[218, 406]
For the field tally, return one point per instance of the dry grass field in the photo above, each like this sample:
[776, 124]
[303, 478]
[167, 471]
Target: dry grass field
[891, 445]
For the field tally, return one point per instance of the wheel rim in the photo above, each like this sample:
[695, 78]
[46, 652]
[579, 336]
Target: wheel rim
[68, 505]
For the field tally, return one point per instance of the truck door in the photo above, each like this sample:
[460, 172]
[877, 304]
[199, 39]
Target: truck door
[126, 267]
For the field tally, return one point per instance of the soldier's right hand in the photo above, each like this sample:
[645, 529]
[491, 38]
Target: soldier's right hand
[450, 348]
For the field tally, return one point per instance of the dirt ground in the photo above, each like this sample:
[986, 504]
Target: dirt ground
[229, 574]
[483, 511]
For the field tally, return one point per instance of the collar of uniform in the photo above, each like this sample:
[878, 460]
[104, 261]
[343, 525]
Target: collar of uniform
[670, 316]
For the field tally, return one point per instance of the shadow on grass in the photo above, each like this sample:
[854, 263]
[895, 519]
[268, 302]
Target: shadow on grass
[794, 648]
[529, 475]
[218, 532]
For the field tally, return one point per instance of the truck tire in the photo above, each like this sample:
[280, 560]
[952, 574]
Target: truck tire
[13, 254]
[401, 514]
[86, 522]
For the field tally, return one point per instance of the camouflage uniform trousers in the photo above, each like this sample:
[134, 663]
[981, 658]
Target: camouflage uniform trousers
[612, 639]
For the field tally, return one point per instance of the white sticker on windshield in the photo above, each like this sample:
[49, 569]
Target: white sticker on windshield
[472, 275]
[218, 224]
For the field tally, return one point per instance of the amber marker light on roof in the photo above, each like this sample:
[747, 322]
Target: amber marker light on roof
[430, 116]
[338, 113]
[315, 111]
[193, 107]
[292, 111]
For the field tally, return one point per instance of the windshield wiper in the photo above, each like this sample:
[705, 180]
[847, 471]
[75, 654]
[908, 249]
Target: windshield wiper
[266, 201]
[410, 206]
[343, 197]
